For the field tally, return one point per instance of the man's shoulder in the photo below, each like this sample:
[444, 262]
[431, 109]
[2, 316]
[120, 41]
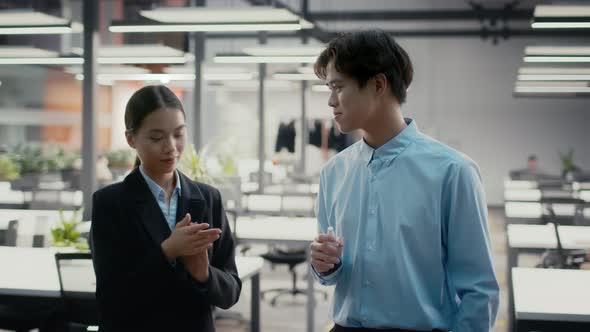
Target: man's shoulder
[442, 154]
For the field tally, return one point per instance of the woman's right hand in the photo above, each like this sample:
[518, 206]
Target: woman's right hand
[189, 239]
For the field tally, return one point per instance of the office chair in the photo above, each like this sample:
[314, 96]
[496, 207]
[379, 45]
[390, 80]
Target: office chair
[292, 259]
[80, 308]
[558, 258]
[9, 235]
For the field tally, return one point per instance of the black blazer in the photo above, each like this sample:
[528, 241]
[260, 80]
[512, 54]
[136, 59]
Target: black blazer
[136, 287]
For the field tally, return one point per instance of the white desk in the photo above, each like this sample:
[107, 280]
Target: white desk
[32, 272]
[543, 236]
[282, 230]
[551, 295]
[536, 239]
[534, 210]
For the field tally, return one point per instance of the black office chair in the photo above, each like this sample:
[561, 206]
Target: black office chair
[8, 235]
[80, 308]
[292, 258]
[559, 258]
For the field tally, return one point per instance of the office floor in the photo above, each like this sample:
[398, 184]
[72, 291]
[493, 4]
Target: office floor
[289, 314]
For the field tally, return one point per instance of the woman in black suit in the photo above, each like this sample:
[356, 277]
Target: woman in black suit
[162, 249]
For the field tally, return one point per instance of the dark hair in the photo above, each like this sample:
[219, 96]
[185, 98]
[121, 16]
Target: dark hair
[145, 101]
[364, 54]
[532, 157]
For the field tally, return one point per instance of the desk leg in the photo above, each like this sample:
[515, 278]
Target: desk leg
[255, 304]
[310, 300]
[512, 262]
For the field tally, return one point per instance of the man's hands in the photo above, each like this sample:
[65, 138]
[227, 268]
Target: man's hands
[325, 252]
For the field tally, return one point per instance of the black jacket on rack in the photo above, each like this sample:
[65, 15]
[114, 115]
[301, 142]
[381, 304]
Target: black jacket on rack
[286, 137]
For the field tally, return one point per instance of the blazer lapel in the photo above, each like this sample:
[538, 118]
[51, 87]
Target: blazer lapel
[191, 201]
[146, 208]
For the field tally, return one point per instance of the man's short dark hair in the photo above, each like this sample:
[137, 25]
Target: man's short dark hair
[532, 157]
[364, 54]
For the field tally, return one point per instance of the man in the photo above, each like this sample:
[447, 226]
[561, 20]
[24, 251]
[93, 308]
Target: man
[411, 250]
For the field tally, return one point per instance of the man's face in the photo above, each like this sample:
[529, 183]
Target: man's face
[351, 105]
[532, 165]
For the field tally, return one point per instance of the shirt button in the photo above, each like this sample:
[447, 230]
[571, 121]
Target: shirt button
[372, 211]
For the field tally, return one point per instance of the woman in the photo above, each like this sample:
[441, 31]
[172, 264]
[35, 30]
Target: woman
[162, 249]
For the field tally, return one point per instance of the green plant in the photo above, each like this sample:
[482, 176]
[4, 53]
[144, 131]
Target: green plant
[122, 158]
[36, 158]
[193, 164]
[228, 165]
[65, 233]
[567, 160]
[8, 168]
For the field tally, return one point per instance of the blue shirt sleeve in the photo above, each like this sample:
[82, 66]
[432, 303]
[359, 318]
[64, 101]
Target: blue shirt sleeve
[331, 277]
[470, 268]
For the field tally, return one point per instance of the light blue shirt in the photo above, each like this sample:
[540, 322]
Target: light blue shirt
[169, 211]
[416, 252]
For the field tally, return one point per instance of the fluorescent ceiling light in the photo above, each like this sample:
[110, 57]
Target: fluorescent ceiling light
[554, 77]
[36, 30]
[216, 15]
[149, 50]
[24, 52]
[561, 17]
[295, 77]
[207, 69]
[143, 60]
[210, 27]
[283, 51]
[552, 83]
[557, 50]
[42, 61]
[110, 70]
[21, 17]
[263, 59]
[560, 25]
[23, 22]
[566, 59]
[553, 71]
[169, 77]
[562, 11]
[551, 90]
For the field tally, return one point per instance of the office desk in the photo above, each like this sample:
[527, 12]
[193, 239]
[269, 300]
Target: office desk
[551, 298]
[30, 274]
[537, 239]
[282, 230]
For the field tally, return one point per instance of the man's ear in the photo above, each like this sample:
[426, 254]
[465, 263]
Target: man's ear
[130, 139]
[381, 84]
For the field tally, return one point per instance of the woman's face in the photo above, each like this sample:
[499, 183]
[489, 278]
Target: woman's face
[160, 140]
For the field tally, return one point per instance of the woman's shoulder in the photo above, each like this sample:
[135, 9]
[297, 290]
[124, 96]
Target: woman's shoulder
[110, 192]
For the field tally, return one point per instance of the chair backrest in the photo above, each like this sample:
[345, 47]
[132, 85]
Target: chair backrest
[77, 285]
[9, 235]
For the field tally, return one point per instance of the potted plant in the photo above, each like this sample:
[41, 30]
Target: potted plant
[8, 168]
[65, 233]
[567, 165]
[120, 161]
[193, 165]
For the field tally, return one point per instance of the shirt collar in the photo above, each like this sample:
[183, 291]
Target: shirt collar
[392, 148]
[155, 188]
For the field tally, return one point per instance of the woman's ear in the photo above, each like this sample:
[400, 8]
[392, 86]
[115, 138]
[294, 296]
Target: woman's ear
[130, 139]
